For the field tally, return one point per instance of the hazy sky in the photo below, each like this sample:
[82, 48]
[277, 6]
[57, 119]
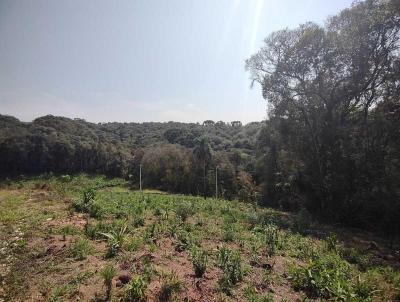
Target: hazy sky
[142, 60]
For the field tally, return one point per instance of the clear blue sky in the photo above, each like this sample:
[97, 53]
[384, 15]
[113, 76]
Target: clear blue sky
[143, 60]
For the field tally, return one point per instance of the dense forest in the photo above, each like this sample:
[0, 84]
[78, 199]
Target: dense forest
[332, 141]
[330, 145]
[175, 157]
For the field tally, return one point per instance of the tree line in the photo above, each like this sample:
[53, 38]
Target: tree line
[176, 157]
[332, 140]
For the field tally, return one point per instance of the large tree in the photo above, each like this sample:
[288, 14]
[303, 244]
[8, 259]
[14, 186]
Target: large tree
[323, 85]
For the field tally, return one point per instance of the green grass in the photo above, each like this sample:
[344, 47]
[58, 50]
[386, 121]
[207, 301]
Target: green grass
[81, 248]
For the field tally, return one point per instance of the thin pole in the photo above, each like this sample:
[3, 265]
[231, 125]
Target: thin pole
[216, 182]
[140, 177]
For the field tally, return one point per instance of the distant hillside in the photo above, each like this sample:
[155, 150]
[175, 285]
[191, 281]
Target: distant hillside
[63, 145]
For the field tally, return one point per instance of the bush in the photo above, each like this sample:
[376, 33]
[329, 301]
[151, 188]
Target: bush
[184, 210]
[199, 260]
[331, 243]
[272, 239]
[185, 240]
[136, 290]
[354, 256]
[115, 241]
[231, 264]
[228, 234]
[87, 204]
[108, 274]
[171, 285]
[326, 277]
[80, 249]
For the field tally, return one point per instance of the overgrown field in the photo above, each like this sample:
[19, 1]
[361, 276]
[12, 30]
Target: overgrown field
[92, 239]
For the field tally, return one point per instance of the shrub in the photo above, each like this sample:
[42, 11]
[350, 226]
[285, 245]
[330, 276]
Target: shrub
[228, 234]
[253, 219]
[115, 241]
[272, 239]
[136, 290]
[171, 285]
[80, 249]
[231, 264]
[87, 204]
[331, 243]
[184, 210]
[150, 232]
[108, 274]
[138, 221]
[354, 256]
[184, 240]
[199, 260]
[326, 277]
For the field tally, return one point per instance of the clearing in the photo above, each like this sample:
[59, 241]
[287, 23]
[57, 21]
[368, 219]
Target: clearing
[85, 238]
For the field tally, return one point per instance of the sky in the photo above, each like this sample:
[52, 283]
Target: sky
[140, 60]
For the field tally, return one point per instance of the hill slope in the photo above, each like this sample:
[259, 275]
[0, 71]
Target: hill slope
[84, 238]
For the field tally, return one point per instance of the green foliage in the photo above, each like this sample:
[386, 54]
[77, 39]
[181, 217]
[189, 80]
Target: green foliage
[331, 243]
[184, 240]
[330, 277]
[231, 264]
[228, 233]
[252, 296]
[115, 241]
[272, 238]
[81, 248]
[171, 285]
[108, 273]
[327, 145]
[199, 259]
[136, 290]
[184, 210]
[88, 205]
[354, 256]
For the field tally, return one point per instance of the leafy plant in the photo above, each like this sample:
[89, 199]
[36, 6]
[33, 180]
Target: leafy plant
[80, 249]
[231, 264]
[138, 221]
[228, 234]
[87, 204]
[271, 238]
[252, 296]
[331, 243]
[326, 277]
[171, 285]
[184, 210]
[184, 240]
[136, 290]
[115, 241]
[199, 260]
[108, 273]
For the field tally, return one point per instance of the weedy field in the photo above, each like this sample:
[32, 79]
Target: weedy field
[81, 238]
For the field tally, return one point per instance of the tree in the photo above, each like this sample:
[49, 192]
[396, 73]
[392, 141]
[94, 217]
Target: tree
[323, 85]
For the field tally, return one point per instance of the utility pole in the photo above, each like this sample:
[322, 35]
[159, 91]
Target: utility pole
[216, 182]
[140, 177]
